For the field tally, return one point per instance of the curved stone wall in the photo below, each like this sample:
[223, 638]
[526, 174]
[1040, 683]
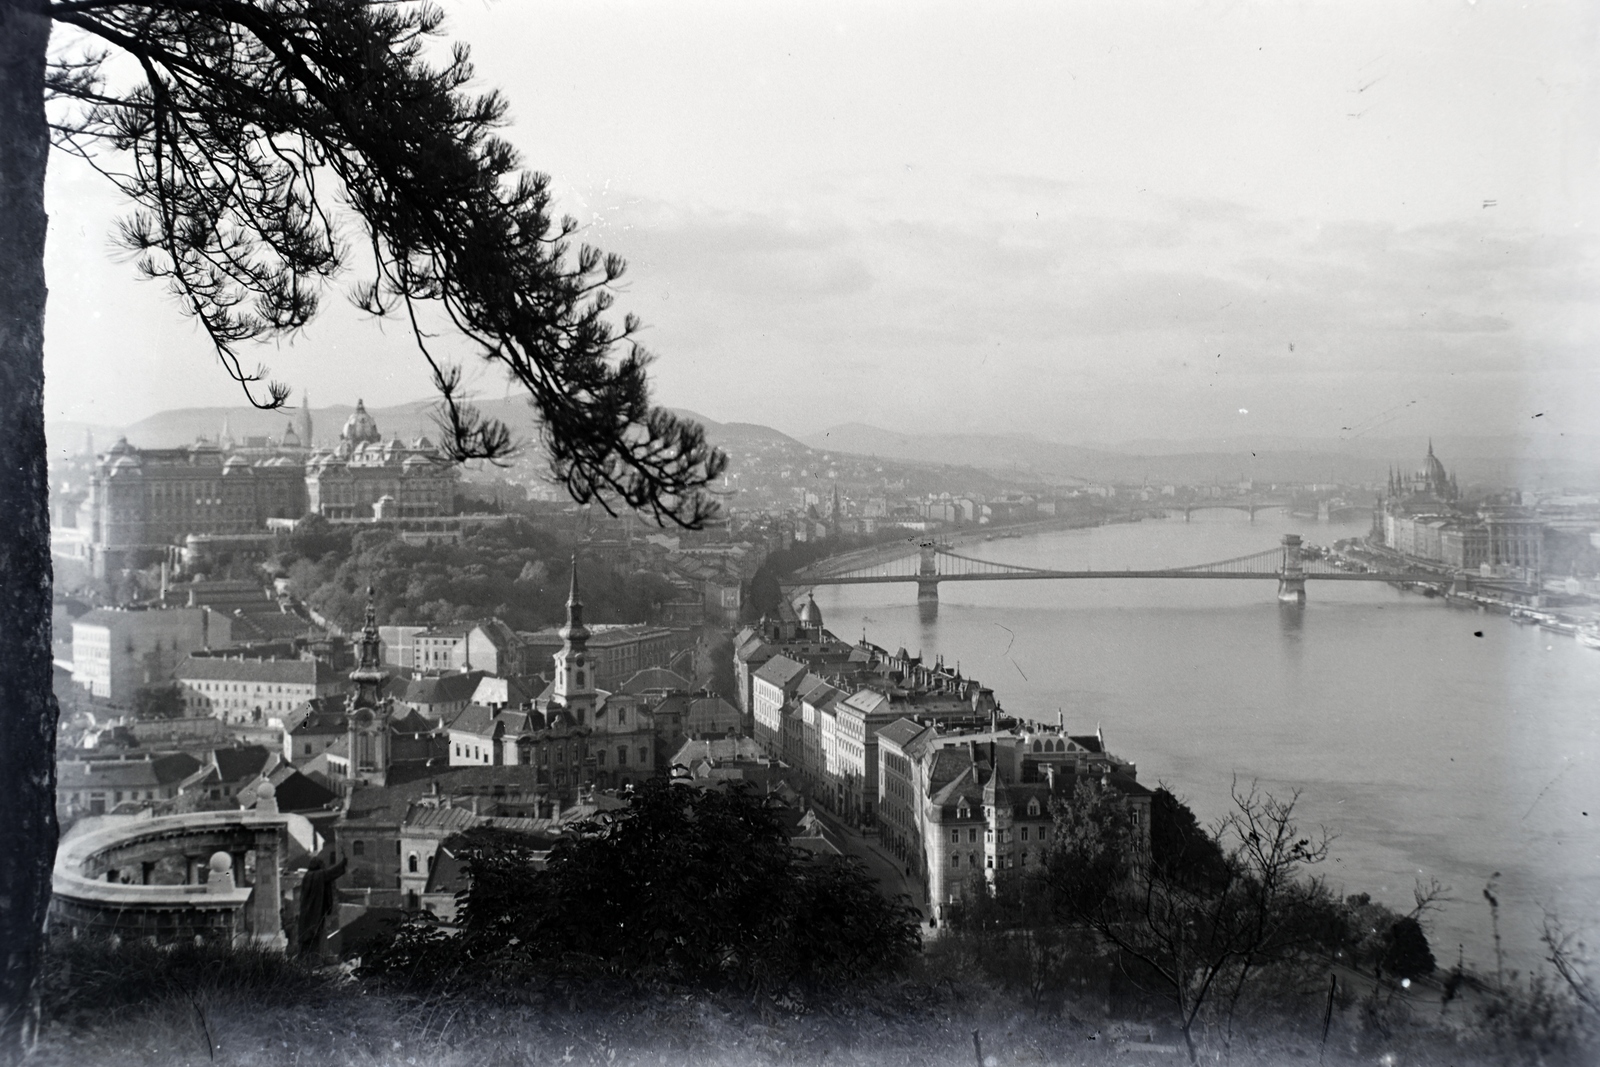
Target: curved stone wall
[120, 880]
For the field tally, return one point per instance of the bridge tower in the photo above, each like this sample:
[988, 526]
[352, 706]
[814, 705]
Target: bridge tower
[927, 576]
[1292, 578]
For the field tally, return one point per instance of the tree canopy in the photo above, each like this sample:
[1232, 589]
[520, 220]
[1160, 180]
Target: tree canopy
[514, 572]
[686, 886]
[266, 145]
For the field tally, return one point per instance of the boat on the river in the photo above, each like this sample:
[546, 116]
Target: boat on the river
[1589, 636]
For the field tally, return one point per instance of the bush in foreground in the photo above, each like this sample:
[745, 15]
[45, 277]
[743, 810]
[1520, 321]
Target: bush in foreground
[686, 887]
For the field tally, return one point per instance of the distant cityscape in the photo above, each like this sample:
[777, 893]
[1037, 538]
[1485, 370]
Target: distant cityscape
[208, 692]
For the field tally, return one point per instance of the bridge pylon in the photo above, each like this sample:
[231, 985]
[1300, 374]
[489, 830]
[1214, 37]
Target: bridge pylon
[927, 575]
[1292, 576]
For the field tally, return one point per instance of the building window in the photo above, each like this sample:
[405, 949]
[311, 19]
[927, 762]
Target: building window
[955, 859]
[359, 848]
[622, 755]
[955, 837]
[972, 836]
[411, 863]
[1024, 833]
[600, 757]
[644, 757]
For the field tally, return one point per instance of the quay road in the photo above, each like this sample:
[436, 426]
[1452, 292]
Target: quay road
[889, 872]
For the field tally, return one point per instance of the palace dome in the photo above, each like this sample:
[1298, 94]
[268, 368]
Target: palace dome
[360, 428]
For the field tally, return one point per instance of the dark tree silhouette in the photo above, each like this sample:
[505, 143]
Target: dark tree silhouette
[1406, 953]
[251, 133]
[694, 888]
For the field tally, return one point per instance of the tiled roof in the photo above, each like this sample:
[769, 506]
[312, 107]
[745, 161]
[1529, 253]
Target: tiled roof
[1088, 742]
[819, 692]
[780, 670]
[413, 722]
[946, 765]
[474, 719]
[901, 731]
[675, 704]
[125, 774]
[245, 761]
[655, 678]
[297, 792]
[442, 817]
[963, 785]
[722, 748]
[280, 671]
[868, 701]
[438, 689]
[713, 708]
[320, 722]
[495, 690]
[267, 625]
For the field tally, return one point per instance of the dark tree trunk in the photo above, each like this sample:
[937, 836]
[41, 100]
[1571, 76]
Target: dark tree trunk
[27, 705]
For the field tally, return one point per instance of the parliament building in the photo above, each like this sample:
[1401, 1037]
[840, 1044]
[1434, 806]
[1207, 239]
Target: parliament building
[1423, 517]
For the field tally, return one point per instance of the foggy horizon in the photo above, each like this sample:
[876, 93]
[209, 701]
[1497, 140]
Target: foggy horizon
[1167, 222]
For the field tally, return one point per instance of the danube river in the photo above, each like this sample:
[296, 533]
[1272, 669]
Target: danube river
[1436, 741]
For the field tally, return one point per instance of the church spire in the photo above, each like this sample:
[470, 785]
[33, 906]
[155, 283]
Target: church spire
[574, 629]
[574, 682]
[368, 675]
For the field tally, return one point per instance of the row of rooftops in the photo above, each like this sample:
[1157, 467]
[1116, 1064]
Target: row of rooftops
[878, 687]
[494, 706]
[968, 771]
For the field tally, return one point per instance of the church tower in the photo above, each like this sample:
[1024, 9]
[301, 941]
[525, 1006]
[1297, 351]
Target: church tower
[574, 684]
[369, 711]
[304, 428]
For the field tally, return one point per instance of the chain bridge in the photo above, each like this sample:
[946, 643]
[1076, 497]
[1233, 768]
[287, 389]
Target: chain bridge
[928, 563]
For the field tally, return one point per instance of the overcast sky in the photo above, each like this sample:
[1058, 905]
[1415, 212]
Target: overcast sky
[1087, 221]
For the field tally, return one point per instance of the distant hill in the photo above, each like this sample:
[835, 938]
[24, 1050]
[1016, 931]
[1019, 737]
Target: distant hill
[1487, 461]
[1014, 456]
[735, 437]
[182, 426]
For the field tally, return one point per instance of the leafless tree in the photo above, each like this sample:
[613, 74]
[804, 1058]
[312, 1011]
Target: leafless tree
[1205, 936]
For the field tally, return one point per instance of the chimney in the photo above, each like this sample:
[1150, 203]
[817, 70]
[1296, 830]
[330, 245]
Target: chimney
[1061, 720]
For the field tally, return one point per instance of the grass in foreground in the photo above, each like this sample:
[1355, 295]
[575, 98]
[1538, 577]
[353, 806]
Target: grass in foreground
[134, 1006]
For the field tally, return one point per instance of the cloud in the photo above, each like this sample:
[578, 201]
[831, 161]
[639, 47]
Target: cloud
[1042, 302]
